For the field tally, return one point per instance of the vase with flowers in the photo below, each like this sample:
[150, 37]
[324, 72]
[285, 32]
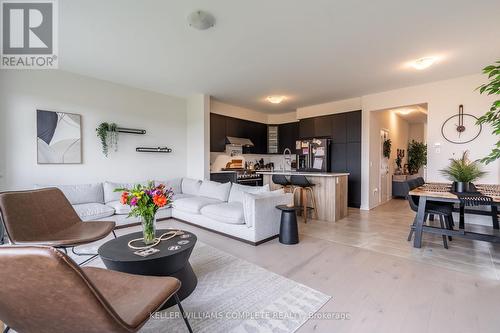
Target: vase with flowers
[144, 202]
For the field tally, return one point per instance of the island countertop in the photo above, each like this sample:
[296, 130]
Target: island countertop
[304, 173]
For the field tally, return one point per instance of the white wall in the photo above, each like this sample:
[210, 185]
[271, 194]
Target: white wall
[346, 105]
[22, 92]
[198, 137]
[237, 111]
[443, 99]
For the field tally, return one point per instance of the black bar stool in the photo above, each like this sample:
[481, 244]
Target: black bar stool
[283, 181]
[301, 183]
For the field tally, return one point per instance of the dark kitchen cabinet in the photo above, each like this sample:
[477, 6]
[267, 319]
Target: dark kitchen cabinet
[353, 160]
[338, 159]
[257, 133]
[235, 127]
[306, 128]
[217, 133]
[323, 126]
[339, 129]
[287, 135]
[353, 124]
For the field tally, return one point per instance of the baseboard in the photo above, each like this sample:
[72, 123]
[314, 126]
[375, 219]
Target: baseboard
[227, 235]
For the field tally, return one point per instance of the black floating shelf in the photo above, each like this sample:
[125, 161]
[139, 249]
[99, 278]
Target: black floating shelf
[130, 130]
[153, 150]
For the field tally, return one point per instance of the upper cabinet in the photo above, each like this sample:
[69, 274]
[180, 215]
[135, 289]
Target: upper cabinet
[287, 135]
[223, 126]
[339, 130]
[353, 124]
[323, 126]
[217, 132]
[306, 128]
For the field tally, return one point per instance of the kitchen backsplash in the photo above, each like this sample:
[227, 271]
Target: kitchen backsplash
[219, 160]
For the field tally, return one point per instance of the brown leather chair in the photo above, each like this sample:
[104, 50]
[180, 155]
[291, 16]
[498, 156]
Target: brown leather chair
[43, 290]
[45, 217]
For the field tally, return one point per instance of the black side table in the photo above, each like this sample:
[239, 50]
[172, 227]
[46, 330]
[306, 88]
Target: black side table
[289, 231]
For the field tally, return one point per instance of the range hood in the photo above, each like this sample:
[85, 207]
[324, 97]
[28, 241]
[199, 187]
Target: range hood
[239, 141]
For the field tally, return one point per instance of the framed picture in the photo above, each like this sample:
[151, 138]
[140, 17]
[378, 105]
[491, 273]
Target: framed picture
[59, 137]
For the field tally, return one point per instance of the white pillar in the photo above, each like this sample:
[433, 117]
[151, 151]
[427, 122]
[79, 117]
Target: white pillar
[198, 137]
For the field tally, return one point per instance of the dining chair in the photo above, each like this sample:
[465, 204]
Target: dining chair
[45, 291]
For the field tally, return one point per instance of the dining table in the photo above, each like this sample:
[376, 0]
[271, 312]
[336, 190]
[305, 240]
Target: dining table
[442, 192]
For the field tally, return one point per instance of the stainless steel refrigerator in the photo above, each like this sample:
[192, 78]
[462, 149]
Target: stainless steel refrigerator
[313, 155]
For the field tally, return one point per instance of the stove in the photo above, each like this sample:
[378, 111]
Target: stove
[239, 176]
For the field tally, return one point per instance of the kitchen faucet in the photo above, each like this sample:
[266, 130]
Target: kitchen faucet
[287, 159]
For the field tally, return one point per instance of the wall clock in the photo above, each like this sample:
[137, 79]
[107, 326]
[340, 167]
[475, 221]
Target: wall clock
[461, 128]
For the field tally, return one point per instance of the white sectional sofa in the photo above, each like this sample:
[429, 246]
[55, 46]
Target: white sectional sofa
[243, 212]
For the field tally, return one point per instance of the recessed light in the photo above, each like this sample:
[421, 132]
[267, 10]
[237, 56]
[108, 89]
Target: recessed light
[405, 111]
[423, 63]
[275, 99]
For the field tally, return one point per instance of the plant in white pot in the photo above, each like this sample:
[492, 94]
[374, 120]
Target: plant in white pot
[463, 172]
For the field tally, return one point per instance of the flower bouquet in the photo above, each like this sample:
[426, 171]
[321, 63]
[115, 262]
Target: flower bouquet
[145, 202]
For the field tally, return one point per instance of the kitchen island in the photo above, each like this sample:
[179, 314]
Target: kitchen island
[330, 192]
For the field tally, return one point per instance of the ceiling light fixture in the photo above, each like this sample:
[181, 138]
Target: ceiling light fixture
[201, 20]
[423, 63]
[275, 99]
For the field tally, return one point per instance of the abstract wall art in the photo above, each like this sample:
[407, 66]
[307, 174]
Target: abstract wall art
[59, 137]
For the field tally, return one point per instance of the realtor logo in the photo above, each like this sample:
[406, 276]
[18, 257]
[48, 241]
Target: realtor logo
[29, 34]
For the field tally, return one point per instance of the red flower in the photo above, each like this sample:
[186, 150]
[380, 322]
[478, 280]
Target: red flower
[160, 200]
[124, 198]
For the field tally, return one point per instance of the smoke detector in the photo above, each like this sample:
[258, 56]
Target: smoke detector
[201, 20]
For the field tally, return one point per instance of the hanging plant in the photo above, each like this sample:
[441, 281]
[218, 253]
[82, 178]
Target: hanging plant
[108, 135]
[387, 148]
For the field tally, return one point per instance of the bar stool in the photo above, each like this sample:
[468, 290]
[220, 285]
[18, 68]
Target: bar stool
[281, 180]
[301, 183]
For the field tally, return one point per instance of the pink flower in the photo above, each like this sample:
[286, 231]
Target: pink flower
[133, 201]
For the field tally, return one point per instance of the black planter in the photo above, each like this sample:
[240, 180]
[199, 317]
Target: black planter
[461, 187]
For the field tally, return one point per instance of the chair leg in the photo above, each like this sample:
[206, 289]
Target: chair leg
[313, 202]
[441, 222]
[93, 256]
[449, 225]
[178, 301]
[412, 229]
[304, 203]
[114, 234]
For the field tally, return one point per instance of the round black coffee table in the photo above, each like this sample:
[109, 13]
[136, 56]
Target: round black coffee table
[172, 260]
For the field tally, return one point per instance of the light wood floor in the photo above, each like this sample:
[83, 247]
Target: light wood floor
[382, 290]
[371, 272]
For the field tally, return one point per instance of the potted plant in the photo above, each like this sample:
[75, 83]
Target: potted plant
[417, 156]
[463, 172]
[399, 160]
[145, 202]
[492, 117]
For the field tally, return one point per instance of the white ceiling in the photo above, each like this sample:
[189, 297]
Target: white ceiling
[413, 114]
[311, 51]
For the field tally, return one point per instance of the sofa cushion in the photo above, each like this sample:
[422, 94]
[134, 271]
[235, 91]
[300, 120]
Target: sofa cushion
[93, 211]
[120, 209]
[194, 204]
[109, 190]
[190, 186]
[178, 196]
[215, 190]
[237, 190]
[81, 193]
[249, 203]
[174, 184]
[226, 212]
